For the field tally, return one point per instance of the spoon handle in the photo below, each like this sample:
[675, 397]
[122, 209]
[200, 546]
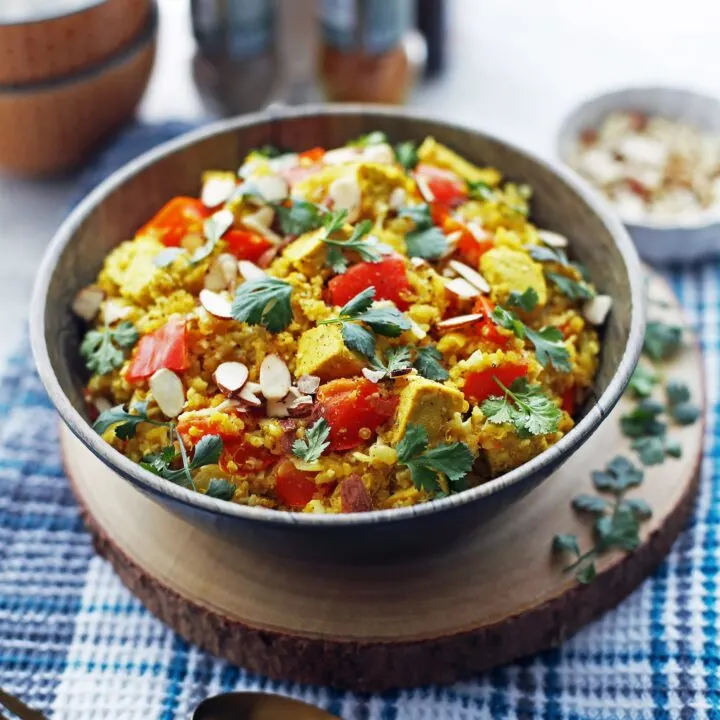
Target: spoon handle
[17, 707]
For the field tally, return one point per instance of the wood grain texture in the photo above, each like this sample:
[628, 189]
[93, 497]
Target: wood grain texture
[495, 597]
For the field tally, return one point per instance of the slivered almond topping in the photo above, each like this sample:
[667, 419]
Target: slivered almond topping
[340, 156]
[250, 271]
[418, 262]
[249, 394]
[308, 384]
[597, 309]
[452, 241]
[459, 321]
[478, 232]
[263, 217]
[462, 288]
[345, 195]
[424, 189]
[216, 304]
[113, 311]
[553, 239]
[86, 304]
[397, 198]
[381, 153]
[275, 380]
[168, 391]
[374, 376]
[221, 273]
[272, 187]
[472, 276]
[284, 162]
[230, 377]
[217, 190]
[251, 223]
[294, 404]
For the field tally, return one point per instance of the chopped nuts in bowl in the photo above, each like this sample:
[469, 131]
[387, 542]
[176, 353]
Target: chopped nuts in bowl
[654, 154]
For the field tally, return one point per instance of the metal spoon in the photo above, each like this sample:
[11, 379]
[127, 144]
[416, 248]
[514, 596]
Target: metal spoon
[257, 706]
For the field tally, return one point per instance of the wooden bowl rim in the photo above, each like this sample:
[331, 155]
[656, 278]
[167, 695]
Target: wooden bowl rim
[137, 45]
[157, 486]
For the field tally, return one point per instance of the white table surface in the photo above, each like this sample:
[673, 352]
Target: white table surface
[517, 66]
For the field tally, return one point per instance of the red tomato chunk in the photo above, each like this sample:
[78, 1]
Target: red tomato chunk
[388, 277]
[293, 487]
[167, 347]
[246, 245]
[446, 186]
[479, 386]
[178, 218]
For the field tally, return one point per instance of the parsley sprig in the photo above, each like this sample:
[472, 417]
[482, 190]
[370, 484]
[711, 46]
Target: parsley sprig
[386, 321]
[428, 364]
[299, 217]
[574, 289]
[662, 341]
[548, 342]
[406, 154]
[526, 407]
[426, 240]
[314, 443]
[264, 301]
[448, 463]
[368, 248]
[616, 519]
[397, 360]
[526, 301]
[102, 348]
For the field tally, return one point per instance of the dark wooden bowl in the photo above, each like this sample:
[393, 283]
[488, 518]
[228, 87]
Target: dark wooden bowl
[119, 206]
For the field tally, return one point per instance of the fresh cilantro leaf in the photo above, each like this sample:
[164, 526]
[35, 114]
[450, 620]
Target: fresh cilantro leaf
[650, 450]
[619, 530]
[221, 489]
[524, 406]
[359, 304]
[565, 544]
[168, 256]
[677, 392]
[336, 260]
[685, 413]
[267, 151]
[550, 348]
[637, 507]
[673, 448]
[419, 214]
[430, 243]
[334, 221]
[397, 360]
[590, 504]
[358, 339]
[508, 320]
[213, 229]
[571, 288]
[406, 154]
[126, 421]
[453, 460]
[102, 348]
[368, 249]
[526, 300]
[264, 301]
[586, 574]
[427, 363]
[619, 475]
[207, 451]
[387, 321]
[662, 341]
[642, 381]
[543, 253]
[301, 217]
[373, 138]
[642, 421]
[315, 442]
[478, 190]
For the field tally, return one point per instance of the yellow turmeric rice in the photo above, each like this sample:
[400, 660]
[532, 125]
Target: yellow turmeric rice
[343, 330]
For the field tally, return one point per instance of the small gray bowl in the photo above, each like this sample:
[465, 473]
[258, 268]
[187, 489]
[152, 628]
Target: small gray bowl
[657, 242]
[121, 204]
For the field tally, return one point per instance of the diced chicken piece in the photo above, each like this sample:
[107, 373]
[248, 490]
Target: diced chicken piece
[307, 253]
[322, 352]
[507, 270]
[433, 153]
[427, 403]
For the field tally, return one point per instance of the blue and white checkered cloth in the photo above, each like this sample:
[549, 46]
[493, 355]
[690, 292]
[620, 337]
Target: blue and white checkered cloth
[75, 644]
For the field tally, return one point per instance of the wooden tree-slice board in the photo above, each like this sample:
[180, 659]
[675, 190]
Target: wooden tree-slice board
[497, 597]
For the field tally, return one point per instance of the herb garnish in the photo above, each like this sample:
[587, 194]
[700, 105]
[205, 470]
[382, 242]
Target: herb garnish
[571, 288]
[526, 300]
[662, 341]
[377, 137]
[397, 359]
[406, 154]
[128, 421]
[221, 489]
[427, 363]
[369, 249]
[548, 342]
[264, 301]
[103, 348]
[213, 229]
[426, 240]
[574, 289]
[387, 321]
[301, 217]
[451, 460]
[524, 406]
[643, 381]
[315, 442]
[478, 190]
[617, 521]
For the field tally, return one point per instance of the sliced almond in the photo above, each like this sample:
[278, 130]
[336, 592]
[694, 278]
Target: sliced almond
[275, 380]
[345, 195]
[216, 304]
[308, 384]
[113, 312]
[472, 276]
[597, 309]
[381, 153]
[217, 190]
[168, 391]
[251, 222]
[276, 409]
[462, 288]
[418, 262]
[284, 162]
[228, 404]
[222, 272]
[102, 404]
[86, 304]
[397, 198]
[272, 187]
[452, 242]
[268, 256]
[478, 232]
[250, 271]
[298, 404]
[230, 377]
[553, 239]
[460, 321]
[340, 156]
[262, 217]
[249, 394]
[424, 188]
[417, 331]
[374, 376]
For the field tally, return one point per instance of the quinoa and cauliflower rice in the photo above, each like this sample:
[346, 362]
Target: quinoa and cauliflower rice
[367, 327]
